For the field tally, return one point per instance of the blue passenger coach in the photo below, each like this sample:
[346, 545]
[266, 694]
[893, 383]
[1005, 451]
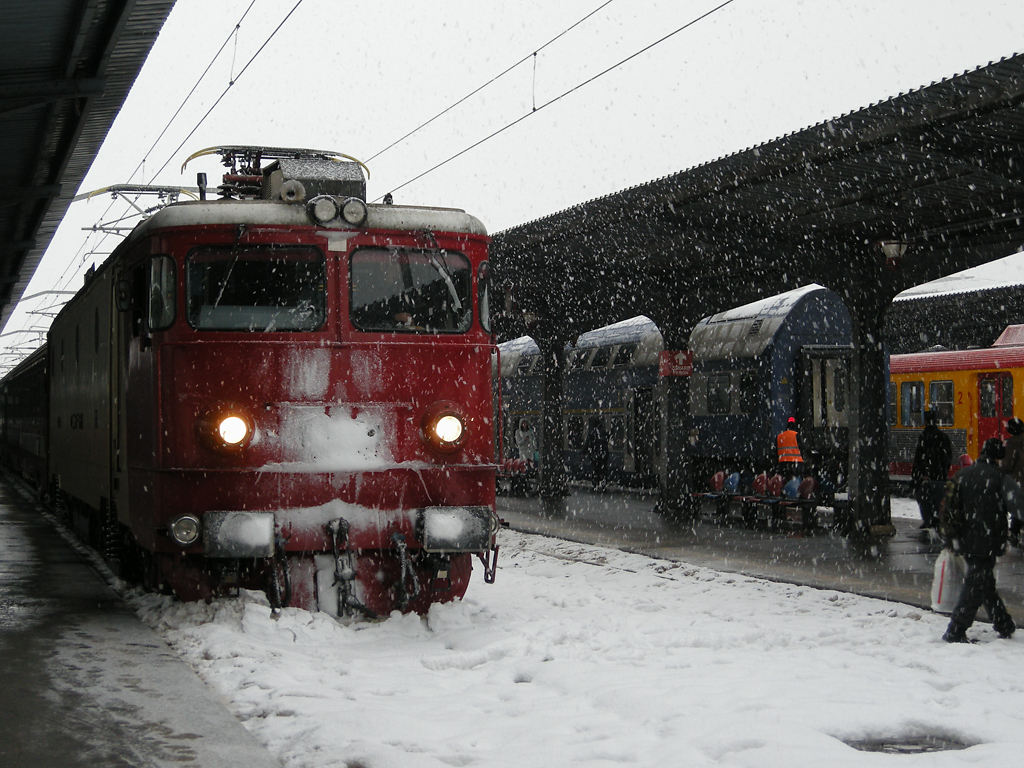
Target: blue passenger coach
[611, 373]
[755, 366]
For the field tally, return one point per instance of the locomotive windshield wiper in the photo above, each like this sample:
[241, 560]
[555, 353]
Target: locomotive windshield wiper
[227, 277]
[442, 270]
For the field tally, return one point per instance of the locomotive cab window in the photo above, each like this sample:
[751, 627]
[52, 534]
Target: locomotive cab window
[256, 288]
[407, 291]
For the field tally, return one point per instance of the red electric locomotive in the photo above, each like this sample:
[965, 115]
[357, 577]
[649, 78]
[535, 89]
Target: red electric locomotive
[287, 389]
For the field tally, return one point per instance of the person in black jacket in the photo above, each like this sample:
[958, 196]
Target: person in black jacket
[1013, 465]
[973, 521]
[931, 470]
[596, 447]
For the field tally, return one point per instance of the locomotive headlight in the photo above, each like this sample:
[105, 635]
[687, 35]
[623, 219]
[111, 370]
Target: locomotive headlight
[322, 209]
[444, 426]
[448, 428]
[185, 530]
[354, 211]
[233, 430]
[226, 428]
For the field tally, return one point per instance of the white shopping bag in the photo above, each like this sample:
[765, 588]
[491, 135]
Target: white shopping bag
[950, 569]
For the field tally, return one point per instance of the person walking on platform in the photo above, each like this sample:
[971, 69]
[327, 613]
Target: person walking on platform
[596, 446]
[931, 470]
[973, 523]
[791, 461]
[1013, 465]
[526, 443]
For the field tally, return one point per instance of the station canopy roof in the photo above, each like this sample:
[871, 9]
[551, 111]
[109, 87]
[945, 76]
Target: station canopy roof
[66, 67]
[936, 173]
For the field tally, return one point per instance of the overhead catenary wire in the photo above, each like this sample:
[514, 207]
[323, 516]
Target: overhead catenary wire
[76, 262]
[231, 84]
[494, 79]
[559, 97]
[233, 34]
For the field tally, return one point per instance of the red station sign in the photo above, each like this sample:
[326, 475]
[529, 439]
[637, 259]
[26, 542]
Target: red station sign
[675, 363]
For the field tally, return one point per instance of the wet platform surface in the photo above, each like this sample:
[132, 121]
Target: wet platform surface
[900, 570]
[83, 682]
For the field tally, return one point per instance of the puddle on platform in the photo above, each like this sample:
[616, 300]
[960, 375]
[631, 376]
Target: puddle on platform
[907, 745]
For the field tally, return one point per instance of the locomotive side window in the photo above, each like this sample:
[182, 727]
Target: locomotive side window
[1006, 383]
[483, 281]
[940, 398]
[406, 291]
[161, 292]
[912, 403]
[256, 288]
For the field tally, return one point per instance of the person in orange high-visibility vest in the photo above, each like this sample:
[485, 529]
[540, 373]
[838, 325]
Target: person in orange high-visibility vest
[791, 462]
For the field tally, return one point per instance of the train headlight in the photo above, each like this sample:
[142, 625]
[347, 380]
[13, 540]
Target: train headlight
[354, 211]
[186, 529]
[444, 427]
[233, 430]
[322, 209]
[448, 428]
[226, 428]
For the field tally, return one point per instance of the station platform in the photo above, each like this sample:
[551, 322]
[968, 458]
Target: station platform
[83, 682]
[900, 570]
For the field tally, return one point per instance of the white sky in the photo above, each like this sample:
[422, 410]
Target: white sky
[353, 78]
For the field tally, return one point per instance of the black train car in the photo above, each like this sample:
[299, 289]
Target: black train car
[23, 410]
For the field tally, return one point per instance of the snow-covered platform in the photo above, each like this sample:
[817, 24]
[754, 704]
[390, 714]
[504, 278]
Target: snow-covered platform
[900, 570]
[83, 682]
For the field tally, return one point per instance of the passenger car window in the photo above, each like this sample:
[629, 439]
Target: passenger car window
[624, 355]
[719, 396]
[601, 357]
[987, 398]
[410, 291]
[256, 288]
[940, 399]
[912, 403]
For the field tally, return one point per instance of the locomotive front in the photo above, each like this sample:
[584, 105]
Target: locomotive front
[305, 382]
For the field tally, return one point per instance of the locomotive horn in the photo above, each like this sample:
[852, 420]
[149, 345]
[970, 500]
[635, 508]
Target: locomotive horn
[292, 191]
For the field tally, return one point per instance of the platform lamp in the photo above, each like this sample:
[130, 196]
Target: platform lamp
[893, 250]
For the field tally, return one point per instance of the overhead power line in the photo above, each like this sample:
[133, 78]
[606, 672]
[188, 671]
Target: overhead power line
[102, 217]
[231, 84]
[494, 79]
[561, 96]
